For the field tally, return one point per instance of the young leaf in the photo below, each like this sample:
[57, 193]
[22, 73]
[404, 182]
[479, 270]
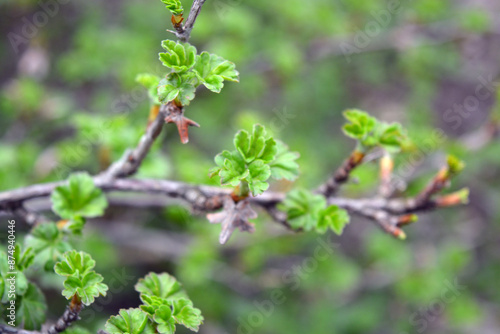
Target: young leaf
[162, 286]
[163, 317]
[176, 87]
[361, 124]
[180, 57]
[32, 308]
[131, 321]
[87, 286]
[391, 136]
[174, 6]
[185, 314]
[334, 218]
[80, 197]
[303, 208]
[256, 145]
[74, 263]
[284, 166]
[258, 173]
[212, 70]
[47, 243]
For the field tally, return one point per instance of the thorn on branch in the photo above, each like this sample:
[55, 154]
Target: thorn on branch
[233, 215]
[176, 115]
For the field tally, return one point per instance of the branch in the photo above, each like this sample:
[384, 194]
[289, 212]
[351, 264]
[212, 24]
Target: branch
[132, 159]
[341, 175]
[183, 33]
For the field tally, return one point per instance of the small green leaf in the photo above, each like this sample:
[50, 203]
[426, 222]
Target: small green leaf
[303, 208]
[80, 197]
[162, 286]
[178, 87]
[163, 317]
[74, 263]
[284, 166]
[32, 308]
[175, 6]
[48, 244]
[131, 321]
[212, 70]
[180, 57]
[185, 314]
[258, 173]
[361, 124]
[334, 218]
[391, 136]
[256, 145]
[87, 287]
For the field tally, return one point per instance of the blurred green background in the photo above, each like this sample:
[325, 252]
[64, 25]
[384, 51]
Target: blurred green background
[69, 102]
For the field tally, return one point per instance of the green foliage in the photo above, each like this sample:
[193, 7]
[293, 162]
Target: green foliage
[189, 70]
[180, 57]
[80, 279]
[175, 6]
[310, 212]
[177, 86]
[212, 70]
[255, 159]
[48, 243]
[371, 132]
[79, 198]
[166, 304]
[131, 321]
[162, 286]
[32, 308]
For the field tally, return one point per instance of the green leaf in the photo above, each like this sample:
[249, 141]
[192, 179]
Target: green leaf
[361, 124]
[131, 321]
[178, 87]
[334, 218]
[163, 286]
[74, 263]
[163, 317]
[256, 145]
[391, 136]
[31, 308]
[212, 70]
[233, 168]
[21, 283]
[258, 173]
[303, 209]
[284, 166]
[47, 243]
[185, 314]
[175, 6]
[87, 287]
[80, 197]
[180, 57]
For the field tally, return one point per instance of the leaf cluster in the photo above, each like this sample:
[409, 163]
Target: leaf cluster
[255, 159]
[165, 305]
[370, 132]
[190, 70]
[311, 213]
[80, 278]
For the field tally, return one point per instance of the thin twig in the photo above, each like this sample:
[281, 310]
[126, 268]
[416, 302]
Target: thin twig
[184, 33]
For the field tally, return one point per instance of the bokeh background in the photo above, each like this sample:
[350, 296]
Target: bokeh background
[427, 64]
